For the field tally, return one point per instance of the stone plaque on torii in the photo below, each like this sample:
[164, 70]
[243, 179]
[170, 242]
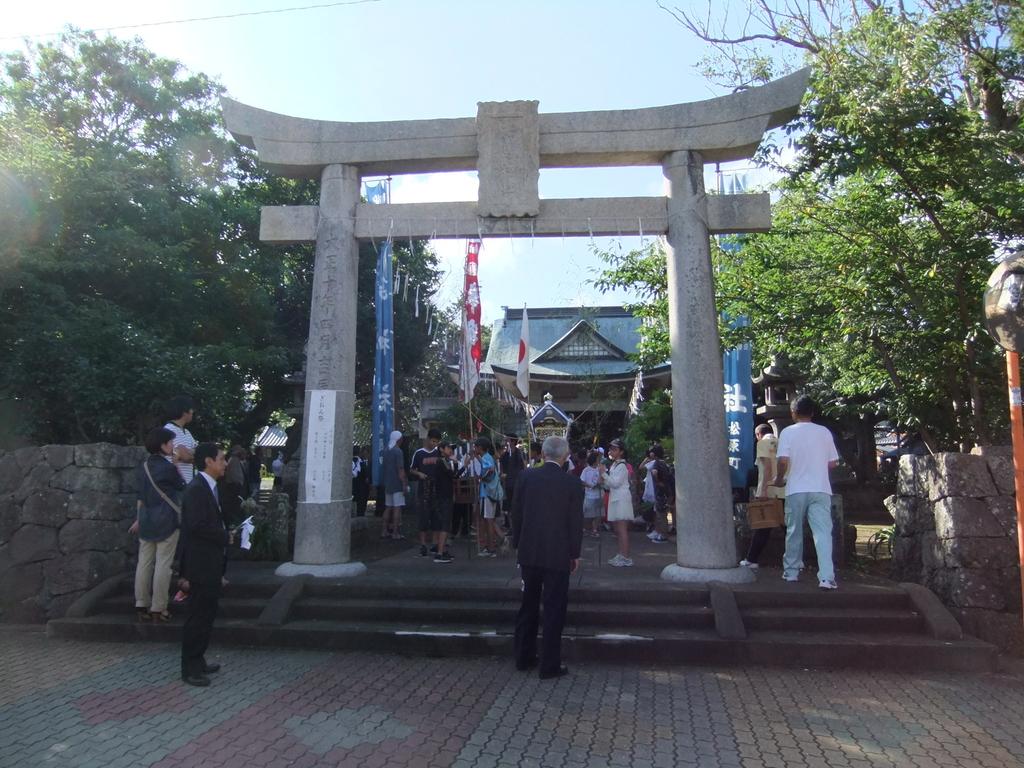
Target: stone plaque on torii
[508, 143]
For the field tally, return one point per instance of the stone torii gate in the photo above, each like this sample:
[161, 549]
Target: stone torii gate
[508, 143]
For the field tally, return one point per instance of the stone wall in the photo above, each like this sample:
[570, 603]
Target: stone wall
[956, 533]
[64, 518]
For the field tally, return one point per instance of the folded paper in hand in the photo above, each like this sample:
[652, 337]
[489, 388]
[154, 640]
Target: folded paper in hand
[247, 527]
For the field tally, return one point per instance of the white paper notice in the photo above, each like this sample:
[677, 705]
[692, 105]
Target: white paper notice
[318, 458]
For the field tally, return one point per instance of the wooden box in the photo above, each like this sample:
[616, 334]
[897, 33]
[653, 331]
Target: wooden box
[765, 513]
[467, 490]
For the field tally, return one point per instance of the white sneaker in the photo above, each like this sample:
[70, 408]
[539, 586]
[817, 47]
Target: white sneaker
[790, 578]
[615, 560]
[657, 538]
[750, 565]
[620, 562]
[827, 584]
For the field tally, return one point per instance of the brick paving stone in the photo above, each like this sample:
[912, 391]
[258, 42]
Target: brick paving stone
[82, 704]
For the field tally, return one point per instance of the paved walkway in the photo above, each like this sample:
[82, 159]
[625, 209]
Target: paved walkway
[88, 704]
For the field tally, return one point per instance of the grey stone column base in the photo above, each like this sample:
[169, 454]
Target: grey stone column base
[682, 573]
[327, 571]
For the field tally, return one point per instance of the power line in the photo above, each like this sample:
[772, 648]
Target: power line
[198, 18]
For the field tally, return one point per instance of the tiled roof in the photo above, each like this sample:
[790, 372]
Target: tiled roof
[555, 332]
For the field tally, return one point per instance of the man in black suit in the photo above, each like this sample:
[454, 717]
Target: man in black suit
[547, 531]
[205, 539]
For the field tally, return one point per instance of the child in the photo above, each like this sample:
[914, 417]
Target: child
[593, 504]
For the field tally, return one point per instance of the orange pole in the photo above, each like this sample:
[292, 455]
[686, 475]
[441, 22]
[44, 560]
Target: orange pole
[1017, 430]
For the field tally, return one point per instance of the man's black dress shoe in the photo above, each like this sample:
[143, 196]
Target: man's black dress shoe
[209, 669]
[523, 666]
[547, 675]
[197, 679]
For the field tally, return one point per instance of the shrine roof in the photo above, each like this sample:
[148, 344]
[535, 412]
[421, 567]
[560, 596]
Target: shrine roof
[568, 342]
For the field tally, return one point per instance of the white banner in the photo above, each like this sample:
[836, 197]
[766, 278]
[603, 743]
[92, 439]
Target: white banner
[318, 458]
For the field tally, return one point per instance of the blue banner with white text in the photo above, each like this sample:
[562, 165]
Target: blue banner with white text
[739, 411]
[384, 370]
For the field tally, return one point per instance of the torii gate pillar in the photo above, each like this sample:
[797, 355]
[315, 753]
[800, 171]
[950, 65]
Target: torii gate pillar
[323, 534]
[705, 543]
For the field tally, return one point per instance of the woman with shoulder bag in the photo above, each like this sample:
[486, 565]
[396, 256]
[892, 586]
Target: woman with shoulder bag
[158, 518]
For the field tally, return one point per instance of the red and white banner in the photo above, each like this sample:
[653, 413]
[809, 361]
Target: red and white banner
[523, 368]
[471, 347]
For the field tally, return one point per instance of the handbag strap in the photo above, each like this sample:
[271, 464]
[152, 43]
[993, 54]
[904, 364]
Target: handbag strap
[159, 490]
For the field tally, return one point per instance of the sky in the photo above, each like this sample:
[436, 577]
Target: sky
[409, 59]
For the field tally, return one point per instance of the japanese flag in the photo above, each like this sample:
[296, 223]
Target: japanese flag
[523, 370]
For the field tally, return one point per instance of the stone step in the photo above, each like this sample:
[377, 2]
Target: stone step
[656, 647]
[832, 620]
[477, 593]
[878, 599]
[242, 608]
[235, 589]
[455, 612]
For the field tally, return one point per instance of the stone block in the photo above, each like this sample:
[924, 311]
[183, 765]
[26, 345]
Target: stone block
[508, 161]
[32, 543]
[10, 517]
[906, 558]
[1000, 465]
[95, 505]
[34, 480]
[28, 611]
[983, 553]
[1003, 630]
[27, 458]
[108, 455]
[130, 481]
[957, 475]
[910, 473]
[1004, 510]
[46, 507]
[912, 515]
[57, 605]
[58, 456]
[10, 473]
[82, 570]
[75, 479]
[101, 535]
[976, 589]
[958, 516]
[933, 554]
[940, 582]
[23, 581]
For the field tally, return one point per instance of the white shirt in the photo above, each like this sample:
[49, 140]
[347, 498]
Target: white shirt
[182, 437]
[809, 448]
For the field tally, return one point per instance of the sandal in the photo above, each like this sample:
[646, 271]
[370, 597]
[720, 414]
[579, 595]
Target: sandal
[162, 618]
[142, 614]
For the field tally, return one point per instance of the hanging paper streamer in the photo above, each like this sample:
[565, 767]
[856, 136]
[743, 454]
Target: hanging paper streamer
[384, 371]
[471, 347]
[417, 312]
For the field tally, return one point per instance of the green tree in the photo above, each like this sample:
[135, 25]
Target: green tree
[907, 181]
[131, 264]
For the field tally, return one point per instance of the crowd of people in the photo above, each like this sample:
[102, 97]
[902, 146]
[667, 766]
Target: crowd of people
[612, 500]
[189, 493]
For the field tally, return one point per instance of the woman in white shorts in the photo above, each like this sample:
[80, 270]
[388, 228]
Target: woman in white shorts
[620, 502]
